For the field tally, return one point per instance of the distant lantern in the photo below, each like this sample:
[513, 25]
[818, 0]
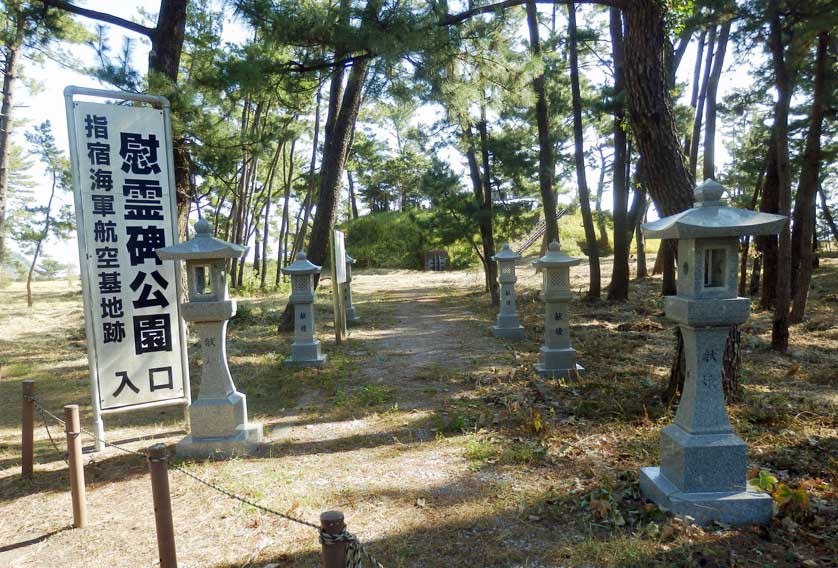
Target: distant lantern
[507, 325]
[557, 358]
[305, 351]
[351, 315]
[218, 417]
[703, 463]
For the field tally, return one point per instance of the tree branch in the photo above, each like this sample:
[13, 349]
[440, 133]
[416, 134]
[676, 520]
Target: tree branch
[100, 16]
[454, 19]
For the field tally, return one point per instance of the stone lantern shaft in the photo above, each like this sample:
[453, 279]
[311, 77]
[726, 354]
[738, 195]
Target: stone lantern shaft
[507, 326]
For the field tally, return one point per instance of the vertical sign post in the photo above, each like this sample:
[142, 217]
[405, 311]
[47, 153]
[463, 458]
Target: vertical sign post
[124, 191]
[338, 280]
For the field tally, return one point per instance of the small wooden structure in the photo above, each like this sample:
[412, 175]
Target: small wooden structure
[436, 260]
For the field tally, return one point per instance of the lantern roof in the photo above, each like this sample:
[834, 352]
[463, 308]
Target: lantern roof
[506, 253]
[301, 266]
[348, 258]
[709, 217]
[203, 246]
[555, 257]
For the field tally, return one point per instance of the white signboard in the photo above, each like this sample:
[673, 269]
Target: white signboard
[339, 258]
[125, 211]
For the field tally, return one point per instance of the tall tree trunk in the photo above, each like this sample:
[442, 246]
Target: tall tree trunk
[11, 53]
[334, 160]
[767, 245]
[784, 84]
[600, 217]
[699, 57]
[265, 233]
[579, 154]
[804, 206]
[487, 235]
[746, 241]
[618, 288]
[642, 271]
[44, 235]
[353, 204]
[699, 109]
[709, 169]
[545, 147]
[305, 210]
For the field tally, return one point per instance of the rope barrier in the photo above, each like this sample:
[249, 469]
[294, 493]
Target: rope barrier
[355, 550]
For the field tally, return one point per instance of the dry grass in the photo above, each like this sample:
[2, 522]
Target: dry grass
[435, 439]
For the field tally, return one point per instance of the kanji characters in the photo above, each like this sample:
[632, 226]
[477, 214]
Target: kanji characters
[101, 179]
[152, 333]
[110, 283]
[113, 331]
[99, 153]
[148, 298]
[96, 126]
[139, 154]
[143, 241]
[112, 308]
[124, 381]
[104, 232]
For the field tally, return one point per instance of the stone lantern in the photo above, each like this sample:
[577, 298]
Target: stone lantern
[557, 358]
[305, 351]
[703, 463]
[351, 316]
[507, 325]
[218, 417]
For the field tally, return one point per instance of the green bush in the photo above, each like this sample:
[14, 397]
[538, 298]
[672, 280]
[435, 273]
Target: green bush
[392, 239]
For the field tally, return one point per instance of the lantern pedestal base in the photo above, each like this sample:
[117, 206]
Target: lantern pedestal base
[733, 508]
[509, 332]
[558, 363]
[306, 355]
[559, 373]
[244, 442]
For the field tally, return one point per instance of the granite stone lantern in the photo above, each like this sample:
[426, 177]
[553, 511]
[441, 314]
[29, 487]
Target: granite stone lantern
[703, 463]
[351, 315]
[507, 325]
[557, 357]
[218, 417]
[305, 351]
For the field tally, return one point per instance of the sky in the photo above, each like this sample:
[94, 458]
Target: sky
[47, 102]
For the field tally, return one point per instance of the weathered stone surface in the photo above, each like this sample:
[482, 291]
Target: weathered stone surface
[730, 507]
[245, 441]
[305, 351]
[703, 463]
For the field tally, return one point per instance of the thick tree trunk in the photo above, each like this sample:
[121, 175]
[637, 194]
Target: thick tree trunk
[545, 147]
[804, 207]
[11, 52]
[334, 160]
[767, 245]
[784, 84]
[642, 271]
[579, 155]
[618, 288]
[486, 221]
[699, 108]
[709, 169]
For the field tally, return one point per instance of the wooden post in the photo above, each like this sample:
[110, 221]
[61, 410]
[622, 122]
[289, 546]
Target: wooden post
[334, 555]
[73, 430]
[27, 439]
[159, 469]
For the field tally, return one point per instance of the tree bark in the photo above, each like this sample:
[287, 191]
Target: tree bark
[486, 221]
[545, 148]
[618, 288]
[784, 85]
[343, 110]
[353, 204]
[11, 53]
[302, 227]
[699, 109]
[709, 170]
[746, 242]
[579, 155]
[699, 57]
[642, 271]
[804, 207]
[600, 218]
[767, 245]
[265, 233]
